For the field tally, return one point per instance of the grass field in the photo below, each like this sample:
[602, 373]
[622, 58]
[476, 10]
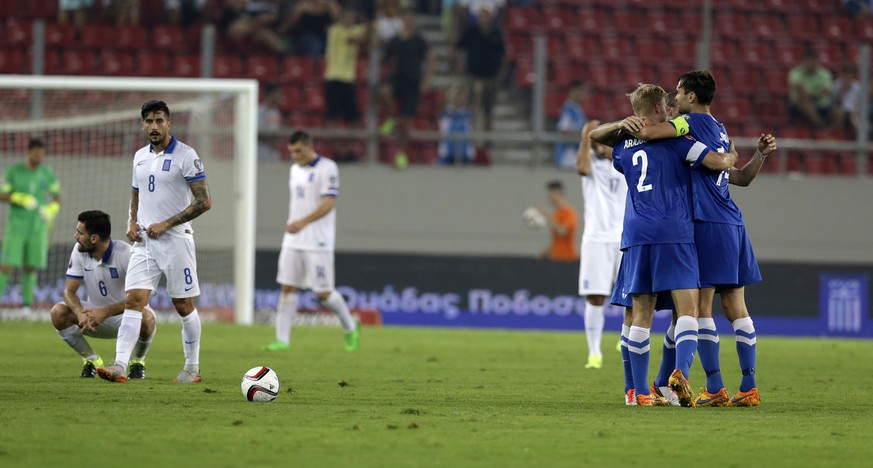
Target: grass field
[421, 397]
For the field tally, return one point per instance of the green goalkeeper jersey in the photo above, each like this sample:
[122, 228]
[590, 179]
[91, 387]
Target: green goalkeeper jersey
[38, 182]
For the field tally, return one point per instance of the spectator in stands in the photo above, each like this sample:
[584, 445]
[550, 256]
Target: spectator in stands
[810, 88]
[311, 19]
[124, 12]
[672, 109]
[469, 10]
[412, 64]
[74, 11]
[570, 122]
[184, 12]
[340, 74]
[485, 52]
[269, 119]
[456, 119]
[846, 98]
[389, 22]
[858, 7]
[253, 20]
[563, 225]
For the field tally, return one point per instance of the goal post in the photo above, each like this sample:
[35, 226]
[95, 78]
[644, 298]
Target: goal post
[91, 128]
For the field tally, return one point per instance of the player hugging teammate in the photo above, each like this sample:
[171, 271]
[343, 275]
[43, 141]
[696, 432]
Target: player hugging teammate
[683, 239]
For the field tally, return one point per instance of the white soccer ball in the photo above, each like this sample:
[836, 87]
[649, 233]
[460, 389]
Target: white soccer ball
[533, 219]
[260, 384]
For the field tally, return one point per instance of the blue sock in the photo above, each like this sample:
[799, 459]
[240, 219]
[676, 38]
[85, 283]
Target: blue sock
[686, 342]
[625, 359]
[668, 358]
[638, 347]
[747, 340]
[708, 347]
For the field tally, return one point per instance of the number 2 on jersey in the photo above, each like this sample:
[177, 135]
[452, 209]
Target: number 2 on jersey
[640, 157]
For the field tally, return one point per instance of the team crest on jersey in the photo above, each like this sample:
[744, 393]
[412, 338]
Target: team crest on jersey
[198, 165]
[113, 272]
[311, 176]
[167, 164]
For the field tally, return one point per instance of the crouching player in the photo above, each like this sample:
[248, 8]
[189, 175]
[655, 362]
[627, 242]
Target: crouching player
[658, 234]
[101, 264]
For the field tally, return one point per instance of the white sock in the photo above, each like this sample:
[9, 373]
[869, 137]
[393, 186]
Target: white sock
[191, 340]
[337, 305]
[72, 335]
[142, 346]
[128, 334]
[709, 325]
[639, 335]
[285, 313]
[594, 328]
[684, 324]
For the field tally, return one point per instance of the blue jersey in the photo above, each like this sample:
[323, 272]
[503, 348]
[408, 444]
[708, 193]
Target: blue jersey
[658, 175]
[571, 119]
[456, 120]
[712, 200]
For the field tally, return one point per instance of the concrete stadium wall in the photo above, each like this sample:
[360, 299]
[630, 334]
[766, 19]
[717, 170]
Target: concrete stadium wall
[477, 211]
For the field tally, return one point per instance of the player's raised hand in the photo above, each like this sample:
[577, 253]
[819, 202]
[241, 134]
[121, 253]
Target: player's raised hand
[766, 144]
[632, 124]
[296, 226]
[154, 231]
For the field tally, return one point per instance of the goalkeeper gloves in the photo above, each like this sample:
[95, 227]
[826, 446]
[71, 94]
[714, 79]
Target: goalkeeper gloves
[24, 200]
[50, 211]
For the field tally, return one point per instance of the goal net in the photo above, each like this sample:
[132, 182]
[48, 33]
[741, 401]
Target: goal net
[91, 130]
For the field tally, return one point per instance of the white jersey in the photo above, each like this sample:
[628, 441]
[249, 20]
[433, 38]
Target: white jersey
[104, 278]
[162, 182]
[309, 184]
[605, 191]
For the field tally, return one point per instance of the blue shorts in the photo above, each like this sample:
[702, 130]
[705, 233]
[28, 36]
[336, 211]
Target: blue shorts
[663, 302]
[649, 269]
[725, 255]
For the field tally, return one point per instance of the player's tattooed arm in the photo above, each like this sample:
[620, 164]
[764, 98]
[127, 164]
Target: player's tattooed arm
[201, 204]
[744, 177]
[133, 211]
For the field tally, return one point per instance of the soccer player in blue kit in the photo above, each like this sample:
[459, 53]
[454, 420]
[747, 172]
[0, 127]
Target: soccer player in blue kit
[726, 259]
[658, 234]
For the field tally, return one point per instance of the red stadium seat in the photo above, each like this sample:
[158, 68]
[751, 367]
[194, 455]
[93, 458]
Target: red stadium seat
[76, 62]
[553, 104]
[865, 29]
[170, 38]
[59, 35]
[263, 68]
[799, 26]
[562, 74]
[801, 132]
[185, 66]
[130, 37]
[728, 24]
[776, 82]
[820, 164]
[755, 53]
[519, 46]
[780, 6]
[556, 20]
[662, 24]
[296, 69]
[602, 77]
[788, 54]
[313, 99]
[18, 34]
[227, 66]
[521, 19]
[116, 63]
[12, 61]
[766, 26]
[593, 21]
[722, 52]
[837, 27]
[97, 36]
[616, 50]
[153, 64]
[847, 164]
[291, 97]
[628, 20]
[576, 47]
[524, 74]
[735, 110]
[655, 51]
[830, 54]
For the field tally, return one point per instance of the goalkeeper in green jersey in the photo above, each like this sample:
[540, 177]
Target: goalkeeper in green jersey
[34, 196]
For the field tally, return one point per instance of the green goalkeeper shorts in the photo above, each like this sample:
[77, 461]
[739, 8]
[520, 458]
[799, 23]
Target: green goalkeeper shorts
[24, 249]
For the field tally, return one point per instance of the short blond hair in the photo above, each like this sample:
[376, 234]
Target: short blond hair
[646, 97]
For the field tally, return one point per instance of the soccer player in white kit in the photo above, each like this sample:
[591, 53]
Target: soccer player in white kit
[306, 259]
[168, 191]
[604, 190]
[99, 263]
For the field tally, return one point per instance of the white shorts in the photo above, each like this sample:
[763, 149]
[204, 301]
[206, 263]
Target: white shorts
[598, 267]
[109, 327]
[171, 256]
[306, 269]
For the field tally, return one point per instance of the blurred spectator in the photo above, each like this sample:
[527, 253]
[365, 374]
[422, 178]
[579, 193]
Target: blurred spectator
[858, 7]
[310, 20]
[468, 10]
[563, 225]
[810, 88]
[74, 11]
[340, 75]
[253, 20]
[846, 98]
[456, 119]
[405, 55]
[570, 122]
[123, 12]
[485, 51]
[269, 118]
[184, 12]
[389, 22]
[672, 109]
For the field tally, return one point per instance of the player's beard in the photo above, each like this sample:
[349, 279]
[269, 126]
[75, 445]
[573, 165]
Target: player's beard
[86, 250]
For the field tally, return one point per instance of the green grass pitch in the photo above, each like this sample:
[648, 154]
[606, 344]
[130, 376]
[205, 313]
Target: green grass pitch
[422, 397]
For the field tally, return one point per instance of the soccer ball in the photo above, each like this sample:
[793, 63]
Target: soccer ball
[260, 384]
[533, 219]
